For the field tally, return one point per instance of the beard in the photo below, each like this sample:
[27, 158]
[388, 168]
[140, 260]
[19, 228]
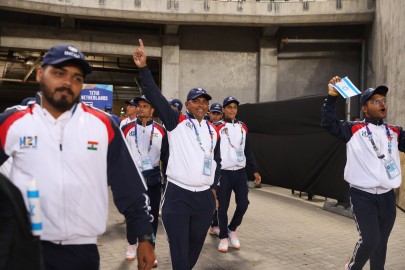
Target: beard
[62, 104]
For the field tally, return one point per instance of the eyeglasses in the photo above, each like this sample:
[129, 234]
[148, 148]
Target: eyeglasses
[379, 101]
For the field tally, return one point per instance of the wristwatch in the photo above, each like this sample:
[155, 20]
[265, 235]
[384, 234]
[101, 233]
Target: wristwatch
[147, 237]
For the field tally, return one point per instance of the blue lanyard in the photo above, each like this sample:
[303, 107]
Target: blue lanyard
[150, 140]
[229, 139]
[198, 135]
[370, 137]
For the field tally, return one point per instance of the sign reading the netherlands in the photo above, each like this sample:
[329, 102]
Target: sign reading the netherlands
[97, 95]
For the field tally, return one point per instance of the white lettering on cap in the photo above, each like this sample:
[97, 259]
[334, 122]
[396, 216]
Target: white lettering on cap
[73, 49]
[75, 55]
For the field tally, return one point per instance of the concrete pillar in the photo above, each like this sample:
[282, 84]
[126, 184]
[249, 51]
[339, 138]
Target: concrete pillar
[170, 67]
[267, 70]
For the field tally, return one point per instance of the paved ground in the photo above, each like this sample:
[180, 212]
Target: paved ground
[280, 232]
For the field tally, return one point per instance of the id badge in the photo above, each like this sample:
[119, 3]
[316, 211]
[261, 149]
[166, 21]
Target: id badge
[207, 165]
[391, 168]
[240, 155]
[146, 163]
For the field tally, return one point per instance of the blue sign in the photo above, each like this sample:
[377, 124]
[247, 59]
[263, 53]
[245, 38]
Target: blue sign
[98, 95]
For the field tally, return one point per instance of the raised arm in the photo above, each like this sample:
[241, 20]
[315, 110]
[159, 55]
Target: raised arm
[338, 128]
[169, 117]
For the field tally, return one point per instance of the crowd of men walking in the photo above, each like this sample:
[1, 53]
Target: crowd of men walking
[187, 167]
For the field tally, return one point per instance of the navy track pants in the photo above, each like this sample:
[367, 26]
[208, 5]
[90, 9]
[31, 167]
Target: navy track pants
[186, 217]
[235, 181]
[375, 216]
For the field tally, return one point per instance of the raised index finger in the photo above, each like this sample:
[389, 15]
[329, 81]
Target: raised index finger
[141, 44]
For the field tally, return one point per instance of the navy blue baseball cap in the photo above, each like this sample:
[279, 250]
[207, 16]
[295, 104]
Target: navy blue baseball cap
[216, 107]
[137, 99]
[198, 92]
[367, 94]
[177, 103]
[66, 53]
[131, 102]
[228, 100]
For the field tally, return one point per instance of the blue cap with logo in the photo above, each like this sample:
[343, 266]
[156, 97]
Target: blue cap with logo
[216, 107]
[66, 53]
[177, 103]
[367, 94]
[198, 92]
[137, 99]
[131, 102]
[228, 100]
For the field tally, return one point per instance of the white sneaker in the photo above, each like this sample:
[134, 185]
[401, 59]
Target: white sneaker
[223, 245]
[234, 239]
[214, 230]
[131, 252]
[155, 264]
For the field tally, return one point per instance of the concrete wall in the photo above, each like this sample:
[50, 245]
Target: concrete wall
[194, 11]
[222, 60]
[387, 65]
[301, 75]
[387, 55]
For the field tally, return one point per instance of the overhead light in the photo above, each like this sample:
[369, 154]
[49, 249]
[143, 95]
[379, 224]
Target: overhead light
[29, 62]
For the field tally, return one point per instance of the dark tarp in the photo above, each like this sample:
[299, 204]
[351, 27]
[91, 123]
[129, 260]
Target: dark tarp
[291, 148]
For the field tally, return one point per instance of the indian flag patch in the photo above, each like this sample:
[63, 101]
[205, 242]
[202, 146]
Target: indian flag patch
[92, 145]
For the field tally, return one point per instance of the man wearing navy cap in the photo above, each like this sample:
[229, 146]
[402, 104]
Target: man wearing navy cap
[73, 152]
[193, 169]
[372, 170]
[148, 143]
[235, 154]
[216, 113]
[176, 104]
[131, 110]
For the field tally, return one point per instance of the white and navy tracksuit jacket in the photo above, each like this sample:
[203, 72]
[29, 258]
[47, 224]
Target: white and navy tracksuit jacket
[237, 131]
[74, 159]
[159, 147]
[363, 169]
[186, 158]
[233, 176]
[126, 121]
[371, 191]
[151, 140]
[188, 202]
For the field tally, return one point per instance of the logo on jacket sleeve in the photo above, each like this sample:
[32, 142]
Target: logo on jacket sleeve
[28, 142]
[92, 145]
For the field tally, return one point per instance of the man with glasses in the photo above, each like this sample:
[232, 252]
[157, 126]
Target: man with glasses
[372, 170]
[193, 169]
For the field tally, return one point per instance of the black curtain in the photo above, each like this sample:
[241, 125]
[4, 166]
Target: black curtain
[291, 148]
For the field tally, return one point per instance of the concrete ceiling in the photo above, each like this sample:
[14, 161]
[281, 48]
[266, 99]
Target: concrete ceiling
[18, 63]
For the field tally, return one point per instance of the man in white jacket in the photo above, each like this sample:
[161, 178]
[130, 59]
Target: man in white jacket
[74, 152]
[372, 170]
[235, 155]
[193, 169]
